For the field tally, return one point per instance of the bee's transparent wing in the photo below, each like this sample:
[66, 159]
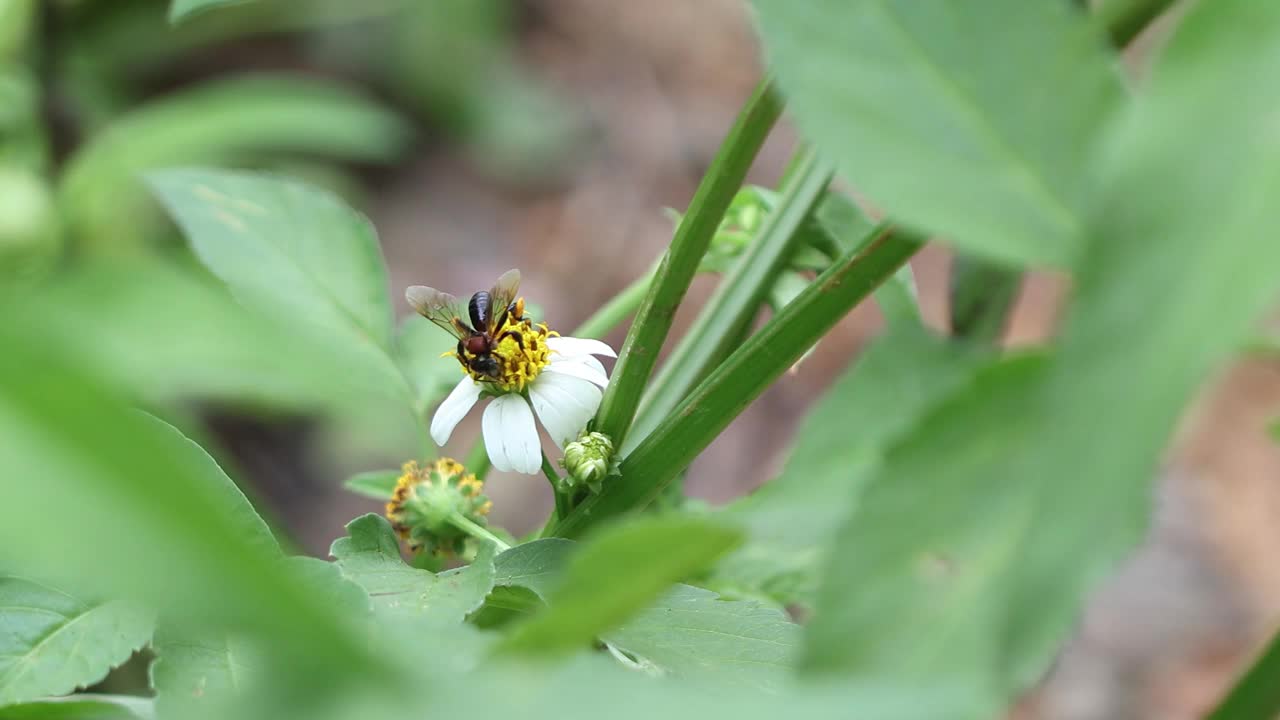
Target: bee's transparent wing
[440, 308]
[501, 296]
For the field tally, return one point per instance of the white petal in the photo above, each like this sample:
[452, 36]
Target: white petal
[577, 367]
[453, 409]
[564, 405]
[510, 435]
[572, 347]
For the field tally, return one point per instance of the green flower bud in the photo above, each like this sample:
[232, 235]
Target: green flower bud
[588, 460]
[426, 502]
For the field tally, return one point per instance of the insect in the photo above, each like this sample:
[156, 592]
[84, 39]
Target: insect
[489, 312]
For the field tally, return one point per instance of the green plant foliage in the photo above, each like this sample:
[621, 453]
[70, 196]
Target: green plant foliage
[419, 344]
[193, 669]
[82, 707]
[53, 642]
[688, 632]
[616, 574]
[838, 449]
[180, 10]
[229, 121]
[295, 253]
[1025, 490]
[990, 148]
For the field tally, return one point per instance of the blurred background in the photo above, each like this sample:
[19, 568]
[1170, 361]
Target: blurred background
[551, 135]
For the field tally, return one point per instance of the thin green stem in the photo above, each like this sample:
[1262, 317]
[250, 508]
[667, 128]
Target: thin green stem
[742, 377]
[477, 531]
[562, 501]
[1256, 696]
[737, 298]
[618, 309]
[680, 263]
[1124, 20]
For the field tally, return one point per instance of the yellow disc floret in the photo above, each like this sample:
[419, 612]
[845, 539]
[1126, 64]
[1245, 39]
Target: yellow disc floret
[520, 350]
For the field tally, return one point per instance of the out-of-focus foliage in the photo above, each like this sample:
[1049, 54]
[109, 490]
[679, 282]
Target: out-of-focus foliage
[943, 512]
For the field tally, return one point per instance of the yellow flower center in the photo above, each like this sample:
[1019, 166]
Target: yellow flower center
[520, 351]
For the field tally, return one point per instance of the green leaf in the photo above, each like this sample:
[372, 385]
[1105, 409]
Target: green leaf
[137, 516]
[85, 706]
[616, 574]
[370, 556]
[1026, 490]
[980, 298]
[193, 669]
[234, 121]
[180, 10]
[172, 335]
[687, 632]
[791, 520]
[990, 148]
[52, 643]
[376, 484]
[292, 252]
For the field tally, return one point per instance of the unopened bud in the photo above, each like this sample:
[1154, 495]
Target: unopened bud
[589, 460]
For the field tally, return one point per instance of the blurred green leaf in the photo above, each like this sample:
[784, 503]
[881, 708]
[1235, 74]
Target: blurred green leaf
[125, 509]
[616, 574]
[898, 299]
[162, 333]
[791, 520]
[376, 484]
[989, 149]
[82, 707]
[688, 632]
[234, 120]
[53, 642]
[1025, 491]
[1256, 695]
[295, 254]
[195, 668]
[180, 10]
[981, 296]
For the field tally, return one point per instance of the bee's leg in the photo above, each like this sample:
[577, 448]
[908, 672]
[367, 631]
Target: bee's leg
[460, 355]
[512, 333]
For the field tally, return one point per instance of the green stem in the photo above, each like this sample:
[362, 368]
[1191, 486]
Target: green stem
[1256, 696]
[477, 531]
[617, 309]
[680, 264]
[737, 298]
[1124, 20]
[742, 377]
[562, 501]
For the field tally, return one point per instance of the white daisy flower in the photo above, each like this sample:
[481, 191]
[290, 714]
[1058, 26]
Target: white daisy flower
[526, 368]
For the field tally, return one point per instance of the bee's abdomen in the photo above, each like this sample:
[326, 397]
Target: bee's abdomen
[479, 310]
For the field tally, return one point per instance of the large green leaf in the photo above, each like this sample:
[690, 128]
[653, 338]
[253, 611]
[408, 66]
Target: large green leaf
[162, 333]
[193, 668]
[968, 557]
[296, 253]
[52, 643]
[376, 484]
[237, 120]
[82, 707]
[419, 346]
[615, 575]
[109, 502]
[971, 120]
[791, 520]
